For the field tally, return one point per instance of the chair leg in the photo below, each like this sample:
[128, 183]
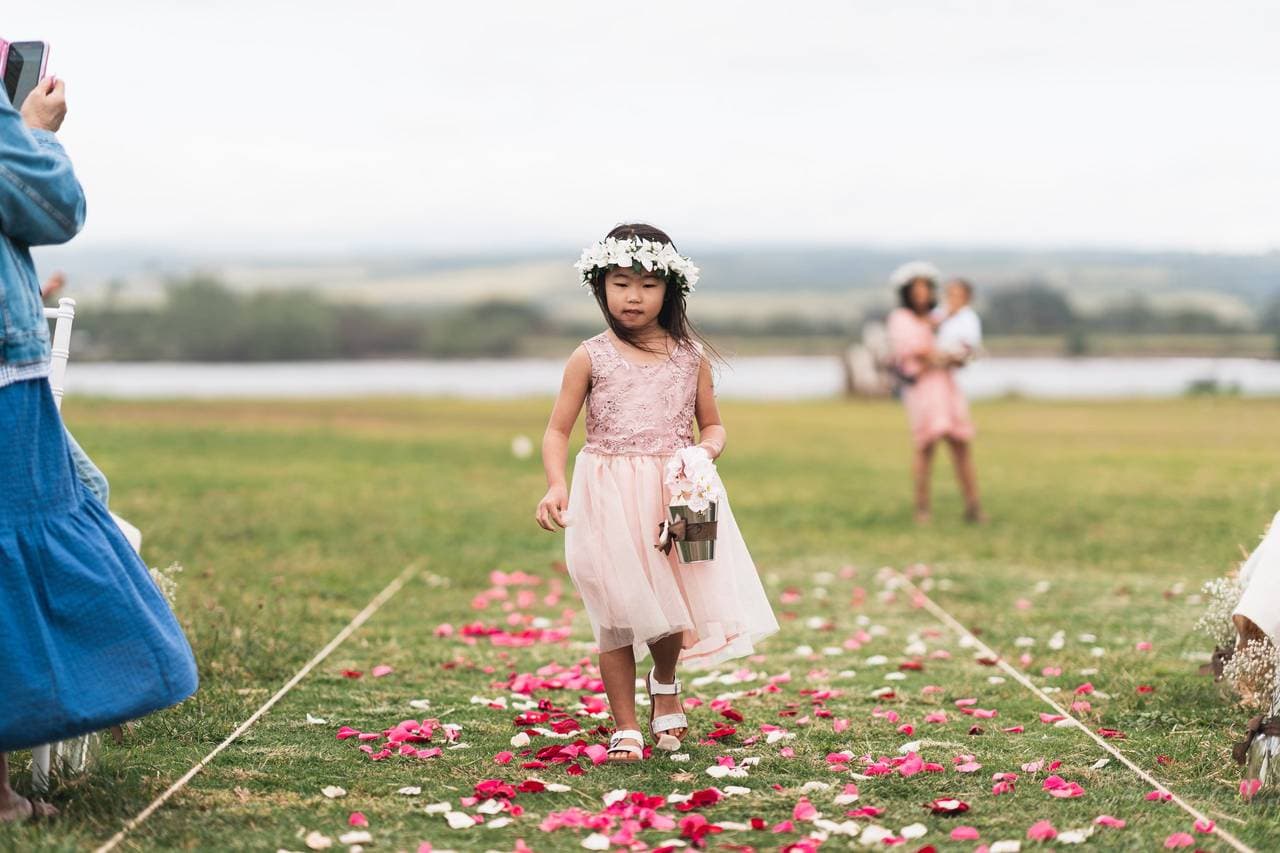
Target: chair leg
[40, 756]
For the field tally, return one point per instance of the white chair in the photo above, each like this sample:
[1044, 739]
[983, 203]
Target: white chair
[73, 754]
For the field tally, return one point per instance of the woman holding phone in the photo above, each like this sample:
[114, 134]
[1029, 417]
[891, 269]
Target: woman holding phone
[89, 640]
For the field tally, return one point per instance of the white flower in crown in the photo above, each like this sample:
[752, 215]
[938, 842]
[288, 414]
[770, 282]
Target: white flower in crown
[648, 254]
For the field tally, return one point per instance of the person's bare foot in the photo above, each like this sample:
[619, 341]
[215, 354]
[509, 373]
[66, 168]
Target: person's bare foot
[14, 808]
[975, 515]
[923, 516]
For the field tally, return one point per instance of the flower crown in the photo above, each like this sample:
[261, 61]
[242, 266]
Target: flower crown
[636, 251]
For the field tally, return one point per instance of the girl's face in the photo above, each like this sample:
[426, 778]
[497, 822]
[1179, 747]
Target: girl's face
[921, 295]
[634, 298]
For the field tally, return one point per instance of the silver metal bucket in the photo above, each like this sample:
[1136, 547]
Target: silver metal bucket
[696, 550]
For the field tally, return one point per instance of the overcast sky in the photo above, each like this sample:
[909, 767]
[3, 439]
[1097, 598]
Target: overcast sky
[463, 126]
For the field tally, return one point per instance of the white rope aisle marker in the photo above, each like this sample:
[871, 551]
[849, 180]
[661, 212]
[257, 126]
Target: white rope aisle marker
[950, 621]
[360, 618]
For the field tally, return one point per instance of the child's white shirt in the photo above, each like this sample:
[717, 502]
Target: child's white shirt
[960, 333]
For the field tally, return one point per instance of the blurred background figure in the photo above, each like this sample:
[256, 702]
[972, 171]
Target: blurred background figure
[936, 408]
[959, 327]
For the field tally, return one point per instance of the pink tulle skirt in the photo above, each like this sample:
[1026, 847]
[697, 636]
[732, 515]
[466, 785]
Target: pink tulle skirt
[634, 594]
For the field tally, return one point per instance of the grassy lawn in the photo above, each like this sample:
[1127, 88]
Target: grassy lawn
[288, 518]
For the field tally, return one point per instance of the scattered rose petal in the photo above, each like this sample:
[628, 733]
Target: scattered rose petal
[1179, 839]
[381, 670]
[317, 841]
[1042, 830]
[358, 836]
[333, 792]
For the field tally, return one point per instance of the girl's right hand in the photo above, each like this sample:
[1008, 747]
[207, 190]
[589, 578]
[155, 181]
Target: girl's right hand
[552, 508]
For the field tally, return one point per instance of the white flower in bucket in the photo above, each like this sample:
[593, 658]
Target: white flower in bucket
[694, 508]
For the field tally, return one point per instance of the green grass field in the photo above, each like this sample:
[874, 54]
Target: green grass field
[288, 518]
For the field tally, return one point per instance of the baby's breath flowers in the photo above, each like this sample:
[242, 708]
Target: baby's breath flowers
[1222, 594]
[1251, 672]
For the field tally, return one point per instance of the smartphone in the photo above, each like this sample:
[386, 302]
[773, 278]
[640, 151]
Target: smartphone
[24, 66]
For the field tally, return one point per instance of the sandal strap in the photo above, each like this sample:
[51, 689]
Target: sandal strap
[616, 744]
[657, 688]
[667, 722]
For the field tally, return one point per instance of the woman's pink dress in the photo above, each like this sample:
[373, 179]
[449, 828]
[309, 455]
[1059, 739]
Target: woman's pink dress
[638, 416]
[936, 407]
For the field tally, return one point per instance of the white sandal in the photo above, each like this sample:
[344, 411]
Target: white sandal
[616, 745]
[659, 726]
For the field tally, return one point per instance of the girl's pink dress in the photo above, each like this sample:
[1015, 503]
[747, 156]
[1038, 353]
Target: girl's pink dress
[936, 407]
[638, 416]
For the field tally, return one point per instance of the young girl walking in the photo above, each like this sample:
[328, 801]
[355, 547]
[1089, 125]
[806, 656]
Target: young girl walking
[644, 381]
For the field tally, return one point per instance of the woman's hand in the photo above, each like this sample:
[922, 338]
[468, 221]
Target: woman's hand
[552, 508]
[46, 106]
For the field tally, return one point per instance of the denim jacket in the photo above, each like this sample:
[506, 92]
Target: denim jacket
[41, 203]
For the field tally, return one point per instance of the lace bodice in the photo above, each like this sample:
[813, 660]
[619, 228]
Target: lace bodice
[640, 408]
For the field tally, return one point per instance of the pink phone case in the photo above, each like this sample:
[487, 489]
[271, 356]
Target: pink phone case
[4, 59]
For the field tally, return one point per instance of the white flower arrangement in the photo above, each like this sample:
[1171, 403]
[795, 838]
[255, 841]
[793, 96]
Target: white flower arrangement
[692, 479]
[1223, 594]
[636, 251]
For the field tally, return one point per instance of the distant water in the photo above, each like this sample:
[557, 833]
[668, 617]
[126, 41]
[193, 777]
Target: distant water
[781, 378]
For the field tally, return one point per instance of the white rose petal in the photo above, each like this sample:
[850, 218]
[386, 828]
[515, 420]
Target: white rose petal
[498, 823]
[1074, 836]
[520, 739]
[615, 796]
[333, 792]
[596, 841]
[357, 837]
[410, 791]
[873, 835]
[914, 831]
[459, 820]
[318, 841]
[438, 808]
[1100, 763]
[313, 720]
[1009, 846]
[490, 807]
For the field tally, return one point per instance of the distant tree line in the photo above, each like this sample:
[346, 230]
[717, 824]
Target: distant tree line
[201, 319]
[1035, 308]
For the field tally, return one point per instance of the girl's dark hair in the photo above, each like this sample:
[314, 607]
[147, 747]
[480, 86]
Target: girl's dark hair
[671, 316]
[904, 294]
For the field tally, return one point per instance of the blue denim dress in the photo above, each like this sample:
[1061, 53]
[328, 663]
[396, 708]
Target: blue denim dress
[86, 638]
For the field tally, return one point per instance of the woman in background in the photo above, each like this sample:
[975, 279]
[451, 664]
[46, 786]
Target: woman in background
[936, 408]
